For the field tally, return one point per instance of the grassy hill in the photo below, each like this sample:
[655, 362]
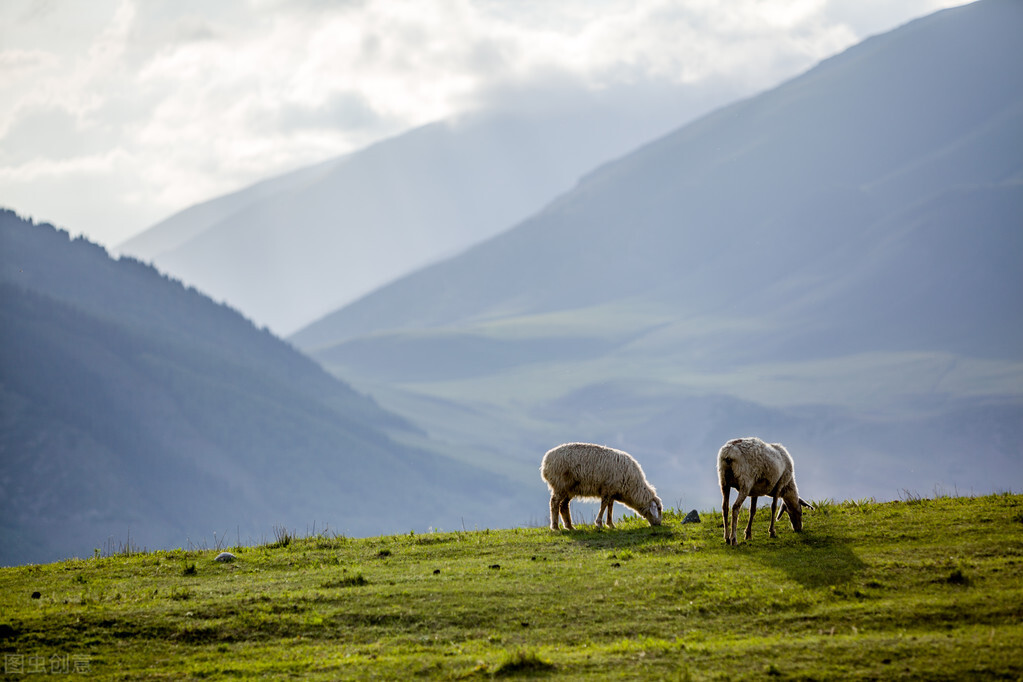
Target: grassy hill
[918, 588]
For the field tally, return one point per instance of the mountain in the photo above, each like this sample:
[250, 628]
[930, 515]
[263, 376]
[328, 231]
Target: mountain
[832, 263]
[135, 410]
[291, 249]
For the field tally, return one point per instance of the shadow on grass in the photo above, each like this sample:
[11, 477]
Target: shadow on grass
[811, 559]
[617, 538]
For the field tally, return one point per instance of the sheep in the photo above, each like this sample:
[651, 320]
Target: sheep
[756, 468]
[597, 472]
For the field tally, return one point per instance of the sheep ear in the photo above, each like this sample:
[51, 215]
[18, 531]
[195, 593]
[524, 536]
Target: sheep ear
[782, 510]
[654, 511]
[804, 503]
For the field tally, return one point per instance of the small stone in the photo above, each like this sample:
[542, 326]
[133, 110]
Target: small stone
[224, 557]
[692, 517]
[36, 595]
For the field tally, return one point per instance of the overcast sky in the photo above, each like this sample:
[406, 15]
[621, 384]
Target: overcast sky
[115, 114]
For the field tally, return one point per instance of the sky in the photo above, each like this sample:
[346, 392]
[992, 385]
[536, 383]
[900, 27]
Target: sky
[115, 114]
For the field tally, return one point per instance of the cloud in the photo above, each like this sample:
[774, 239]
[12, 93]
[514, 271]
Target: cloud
[18, 64]
[47, 132]
[340, 110]
[194, 98]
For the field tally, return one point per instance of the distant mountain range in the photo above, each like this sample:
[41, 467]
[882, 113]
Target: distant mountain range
[137, 411]
[289, 250]
[834, 264]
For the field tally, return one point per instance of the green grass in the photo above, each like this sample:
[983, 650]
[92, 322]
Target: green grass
[926, 589]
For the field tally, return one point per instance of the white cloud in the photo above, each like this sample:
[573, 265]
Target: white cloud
[21, 64]
[155, 105]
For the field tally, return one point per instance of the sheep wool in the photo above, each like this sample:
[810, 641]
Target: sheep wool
[755, 468]
[598, 472]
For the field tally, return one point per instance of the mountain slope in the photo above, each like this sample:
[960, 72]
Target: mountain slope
[290, 249]
[134, 408]
[175, 231]
[780, 178]
[832, 263]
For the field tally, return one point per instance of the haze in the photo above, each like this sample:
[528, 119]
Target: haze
[114, 115]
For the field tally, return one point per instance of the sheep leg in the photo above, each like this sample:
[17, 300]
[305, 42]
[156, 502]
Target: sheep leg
[610, 508]
[725, 494]
[555, 510]
[566, 514]
[774, 506]
[740, 498]
[752, 511]
[600, 514]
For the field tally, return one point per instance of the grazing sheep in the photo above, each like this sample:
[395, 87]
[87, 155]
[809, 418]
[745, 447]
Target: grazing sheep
[755, 468]
[597, 472]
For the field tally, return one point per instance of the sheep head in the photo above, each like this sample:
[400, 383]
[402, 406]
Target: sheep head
[653, 513]
[793, 504]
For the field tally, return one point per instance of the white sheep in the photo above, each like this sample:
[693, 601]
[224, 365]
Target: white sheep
[755, 468]
[597, 472]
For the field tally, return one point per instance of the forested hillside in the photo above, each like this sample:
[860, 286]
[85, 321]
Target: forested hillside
[136, 410]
